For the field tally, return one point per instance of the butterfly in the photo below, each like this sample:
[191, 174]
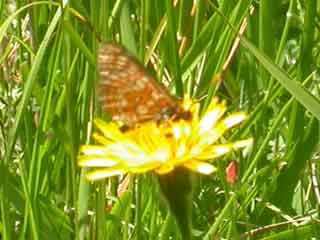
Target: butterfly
[129, 93]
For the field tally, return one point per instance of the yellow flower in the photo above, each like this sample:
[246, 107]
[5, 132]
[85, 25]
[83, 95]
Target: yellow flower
[162, 147]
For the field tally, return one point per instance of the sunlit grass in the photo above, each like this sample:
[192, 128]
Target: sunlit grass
[48, 77]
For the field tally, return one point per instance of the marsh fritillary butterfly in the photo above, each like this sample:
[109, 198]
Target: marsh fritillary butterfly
[129, 93]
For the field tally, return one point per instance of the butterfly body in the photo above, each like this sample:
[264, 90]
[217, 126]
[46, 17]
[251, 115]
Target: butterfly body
[128, 92]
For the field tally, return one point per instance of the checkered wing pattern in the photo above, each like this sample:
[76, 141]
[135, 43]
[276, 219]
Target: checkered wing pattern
[128, 92]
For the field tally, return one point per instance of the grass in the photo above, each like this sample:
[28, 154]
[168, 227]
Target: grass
[48, 78]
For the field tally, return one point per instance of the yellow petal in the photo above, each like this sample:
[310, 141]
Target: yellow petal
[187, 102]
[243, 143]
[209, 120]
[143, 168]
[96, 161]
[200, 167]
[93, 150]
[164, 169]
[181, 130]
[215, 151]
[212, 135]
[101, 139]
[104, 173]
[162, 154]
[110, 130]
[234, 119]
[181, 150]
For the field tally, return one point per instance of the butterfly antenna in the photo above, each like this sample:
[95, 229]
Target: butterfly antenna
[89, 25]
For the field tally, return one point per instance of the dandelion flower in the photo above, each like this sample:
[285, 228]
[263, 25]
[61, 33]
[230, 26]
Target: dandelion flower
[163, 147]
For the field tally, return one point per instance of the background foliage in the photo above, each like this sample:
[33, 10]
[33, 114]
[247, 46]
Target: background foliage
[47, 103]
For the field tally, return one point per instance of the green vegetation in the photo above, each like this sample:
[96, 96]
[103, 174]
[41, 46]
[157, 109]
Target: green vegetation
[48, 78]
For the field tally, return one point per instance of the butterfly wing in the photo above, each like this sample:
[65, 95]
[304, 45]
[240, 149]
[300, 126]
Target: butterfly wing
[127, 91]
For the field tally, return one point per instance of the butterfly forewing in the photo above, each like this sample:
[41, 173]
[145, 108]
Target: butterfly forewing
[127, 91]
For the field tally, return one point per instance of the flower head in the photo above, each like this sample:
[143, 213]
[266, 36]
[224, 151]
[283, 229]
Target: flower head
[161, 147]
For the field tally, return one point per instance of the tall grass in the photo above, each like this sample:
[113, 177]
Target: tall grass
[48, 78]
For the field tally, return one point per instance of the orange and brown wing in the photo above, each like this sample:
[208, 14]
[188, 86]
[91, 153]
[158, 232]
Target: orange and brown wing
[127, 91]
